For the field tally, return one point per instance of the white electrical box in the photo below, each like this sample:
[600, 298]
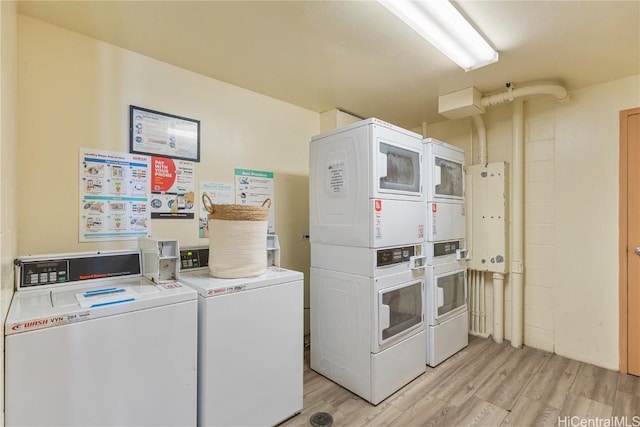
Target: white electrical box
[487, 217]
[160, 259]
[461, 103]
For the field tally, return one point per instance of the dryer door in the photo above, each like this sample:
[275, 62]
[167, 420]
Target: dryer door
[399, 169]
[445, 180]
[400, 311]
[447, 292]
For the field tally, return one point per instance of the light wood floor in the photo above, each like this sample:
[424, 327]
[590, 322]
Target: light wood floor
[486, 384]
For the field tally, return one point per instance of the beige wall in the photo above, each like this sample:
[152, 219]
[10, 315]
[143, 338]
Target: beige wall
[571, 216]
[75, 92]
[587, 155]
[335, 118]
[8, 174]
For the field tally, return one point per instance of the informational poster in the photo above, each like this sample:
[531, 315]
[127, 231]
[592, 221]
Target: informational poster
[162, 134]
[114, 195]
[219, 193]
[172, 188]
[253, 188]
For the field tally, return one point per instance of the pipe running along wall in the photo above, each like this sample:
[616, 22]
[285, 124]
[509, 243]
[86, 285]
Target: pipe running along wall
[479, 276]
[517, 204]
[463, 105]
[517, 196]
[482, 138]
[517, 226]
[512, 93]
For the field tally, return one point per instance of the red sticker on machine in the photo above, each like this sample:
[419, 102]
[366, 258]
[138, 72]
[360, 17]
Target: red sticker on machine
[378, 205]
[434, 207]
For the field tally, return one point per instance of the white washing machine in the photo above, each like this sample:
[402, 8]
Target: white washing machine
[250, 344]
[89, 342]
[446, 298]
[367, 317]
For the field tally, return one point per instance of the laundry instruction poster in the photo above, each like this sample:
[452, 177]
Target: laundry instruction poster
[253, 188]
[220, 193]
[172, 188]
[114, 195]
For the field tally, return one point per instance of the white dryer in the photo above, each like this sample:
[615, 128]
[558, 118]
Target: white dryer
[445, 191]
[88, 341]
[365, 186]
[250, 344]
[446, 311]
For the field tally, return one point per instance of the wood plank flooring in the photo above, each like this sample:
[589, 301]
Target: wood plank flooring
[486, 384]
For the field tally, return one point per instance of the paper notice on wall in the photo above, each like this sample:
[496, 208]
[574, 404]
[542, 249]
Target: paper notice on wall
[172, 188]
[253, 188]
[219, 193]
[114, 195]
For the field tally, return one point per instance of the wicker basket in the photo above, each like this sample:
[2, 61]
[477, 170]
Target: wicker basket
[237, 239]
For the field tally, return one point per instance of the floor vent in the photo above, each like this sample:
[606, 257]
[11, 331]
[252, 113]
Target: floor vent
[321, 419]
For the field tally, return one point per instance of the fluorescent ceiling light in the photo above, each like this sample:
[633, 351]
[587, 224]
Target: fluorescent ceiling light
[444, 27]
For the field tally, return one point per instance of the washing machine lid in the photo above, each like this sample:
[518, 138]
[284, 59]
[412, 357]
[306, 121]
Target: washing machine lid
[107, 294]
[208, 286]
[38, 309]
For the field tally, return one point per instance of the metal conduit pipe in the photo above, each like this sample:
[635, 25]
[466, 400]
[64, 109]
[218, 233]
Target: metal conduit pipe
[483, 315]
[472, 301]
[512, 93]
[482, 138]
[477, 300]
[517, 226]
[498, 283]
[478, 276]
[498, 315]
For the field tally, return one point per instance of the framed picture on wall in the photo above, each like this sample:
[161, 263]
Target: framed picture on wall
[160, 134]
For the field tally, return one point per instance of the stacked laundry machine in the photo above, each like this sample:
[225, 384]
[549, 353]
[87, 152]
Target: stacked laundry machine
[447, 317]
[367, 234]
[388, 256]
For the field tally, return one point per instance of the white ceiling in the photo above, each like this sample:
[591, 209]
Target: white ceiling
[357, 56]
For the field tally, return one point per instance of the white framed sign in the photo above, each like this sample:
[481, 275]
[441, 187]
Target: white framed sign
[160, 134]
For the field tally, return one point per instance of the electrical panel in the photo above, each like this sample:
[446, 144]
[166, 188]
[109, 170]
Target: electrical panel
[487, 189]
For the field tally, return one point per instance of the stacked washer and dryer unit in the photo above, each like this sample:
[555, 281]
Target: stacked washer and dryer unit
[367, 257]
[446, 273]
[388, 275]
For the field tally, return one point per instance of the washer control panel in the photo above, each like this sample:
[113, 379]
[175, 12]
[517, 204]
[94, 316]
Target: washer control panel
[392, 256]
[45, 272]
[60, 269]
[191, 259]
